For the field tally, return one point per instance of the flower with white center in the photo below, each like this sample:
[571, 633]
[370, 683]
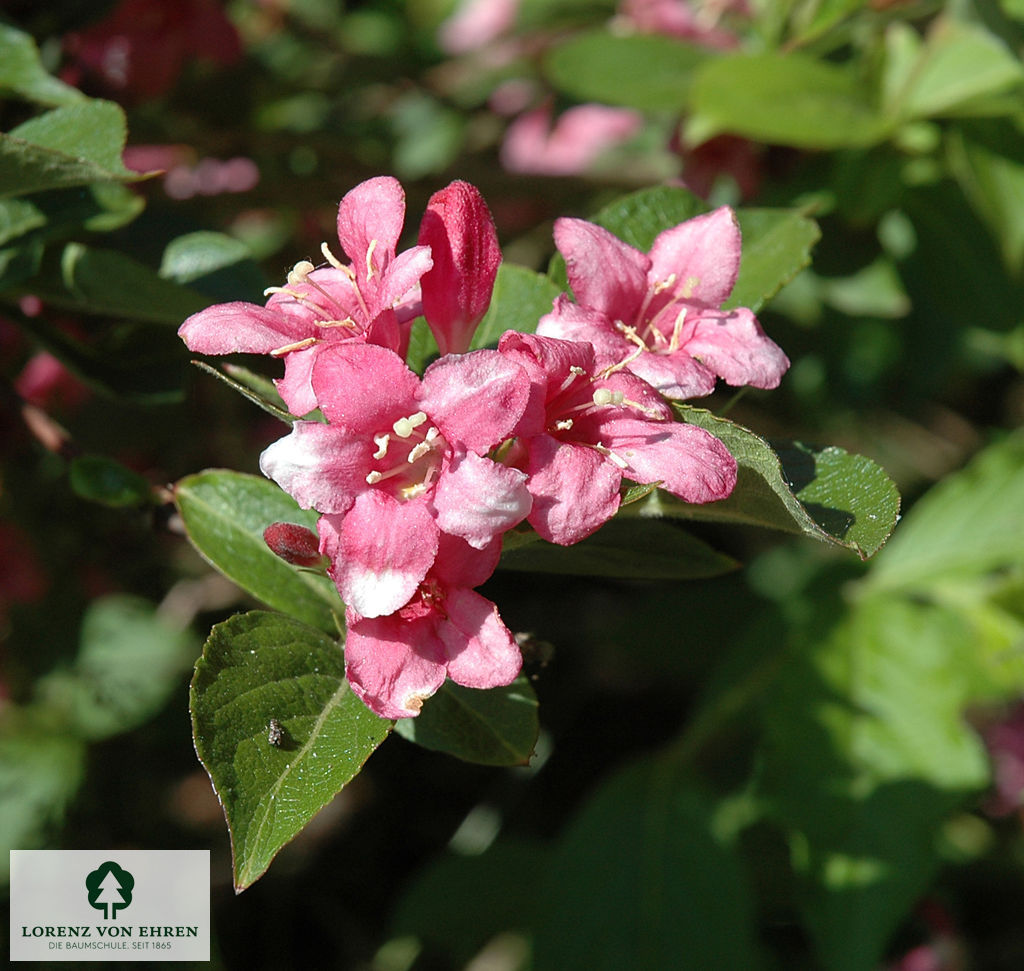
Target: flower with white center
[401, 461]
[659, 314]
[373, 299]
[585, 430]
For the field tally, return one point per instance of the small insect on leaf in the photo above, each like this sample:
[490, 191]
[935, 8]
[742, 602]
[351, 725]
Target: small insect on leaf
[275, 733]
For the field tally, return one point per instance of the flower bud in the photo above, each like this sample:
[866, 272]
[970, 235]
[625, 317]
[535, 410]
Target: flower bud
[294, 544]
[458, 228]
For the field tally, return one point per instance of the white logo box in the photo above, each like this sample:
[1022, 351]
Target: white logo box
[146, 905]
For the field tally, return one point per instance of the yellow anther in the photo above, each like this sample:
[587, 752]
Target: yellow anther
[663, 285]
[299, 272]
[404, 427]
[692, 282]
[606, 396]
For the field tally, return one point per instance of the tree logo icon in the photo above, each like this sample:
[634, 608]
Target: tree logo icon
[110, 888]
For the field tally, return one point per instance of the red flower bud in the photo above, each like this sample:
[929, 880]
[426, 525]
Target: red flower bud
[459, 229]
[294, 544]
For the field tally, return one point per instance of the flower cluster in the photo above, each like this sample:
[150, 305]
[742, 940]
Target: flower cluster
[416, 478]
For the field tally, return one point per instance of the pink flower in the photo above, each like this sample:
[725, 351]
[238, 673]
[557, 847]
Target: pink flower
[698, 22]
[365, 301]
[459, 230]
[658, 314]
[476, 23]
[402, 461]
[583, 431]
[446, 629]
[142, 46]
[579, 137]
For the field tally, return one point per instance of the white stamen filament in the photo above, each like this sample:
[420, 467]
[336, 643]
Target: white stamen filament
[609, 454]
[334, 261]
[677, 330]
[369, 259]
[297, 346]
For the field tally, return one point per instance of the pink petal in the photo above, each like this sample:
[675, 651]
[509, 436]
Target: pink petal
[371, 215]
[475, 399]
[400, 279]
[677, 376]
[605, 273]
[703, 256]
[393, 664]
[320, 466]
[575, 490]
[463, 241]
[459, 565]
[735, 347]
[480, 649]
[478, 499]
[689, 462]
[569, 321]
[380, 551]
[229, 328]
[363, 386]
[296, 387]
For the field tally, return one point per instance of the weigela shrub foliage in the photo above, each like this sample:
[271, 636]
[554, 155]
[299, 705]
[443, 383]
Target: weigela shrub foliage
[417, 478]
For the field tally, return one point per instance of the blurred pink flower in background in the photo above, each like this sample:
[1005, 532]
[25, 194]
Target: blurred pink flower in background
[1005, 742]
[697, 22]
[533, 146]
[184, 177]
[476, 23]
[140, 49]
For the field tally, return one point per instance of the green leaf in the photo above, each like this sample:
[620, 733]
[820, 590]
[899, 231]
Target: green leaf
[195, 255]
[17, 217]
[829, 494]
[40, 772]
[260, 672]
[225, 514]
[103, 480]
[129, 662]
[777, 245]
[252, 387]
[521, 297]
[101, 207]
[987, 159]
[625, 547]
[101, 281]
[493, 727]
[645, 71]
[866, 755]
[74, 145]
[957, 63]
[22, 73]
[422, 346]
[785, 99]
[969, 525]
[640, 879]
